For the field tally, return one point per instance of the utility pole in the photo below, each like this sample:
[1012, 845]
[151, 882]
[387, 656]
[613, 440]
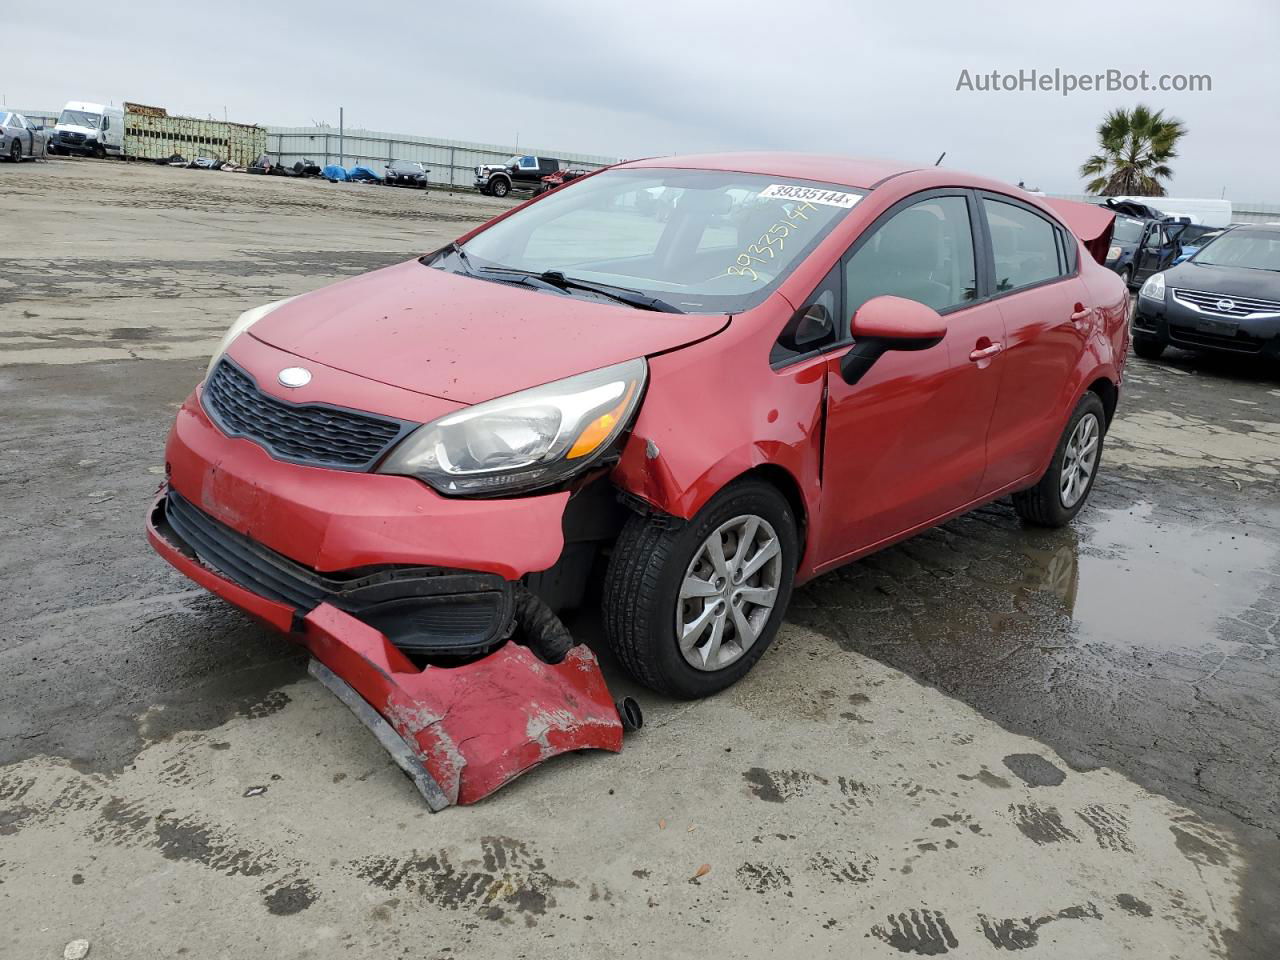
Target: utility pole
[342, 146]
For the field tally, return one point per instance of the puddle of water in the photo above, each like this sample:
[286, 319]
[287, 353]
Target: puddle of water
[1140, 582]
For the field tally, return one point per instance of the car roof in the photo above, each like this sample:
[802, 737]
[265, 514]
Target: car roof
[862, 174]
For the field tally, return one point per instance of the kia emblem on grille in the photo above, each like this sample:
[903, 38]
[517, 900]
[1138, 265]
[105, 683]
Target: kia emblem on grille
[294, 376]
[1226, 304]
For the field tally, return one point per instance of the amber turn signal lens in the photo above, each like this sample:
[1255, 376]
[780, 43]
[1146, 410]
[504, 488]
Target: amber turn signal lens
[599, 429]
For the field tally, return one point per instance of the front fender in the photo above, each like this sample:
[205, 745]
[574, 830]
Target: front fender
[714, 411]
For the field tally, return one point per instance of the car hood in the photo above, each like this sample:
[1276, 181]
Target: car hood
[1229, 281]
[75, 128]
[464, 339]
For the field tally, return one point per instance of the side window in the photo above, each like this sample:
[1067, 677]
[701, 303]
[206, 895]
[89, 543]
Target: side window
[1023, 244]
[814, 326]
[528, 163]
[923, 253]
[106, 122]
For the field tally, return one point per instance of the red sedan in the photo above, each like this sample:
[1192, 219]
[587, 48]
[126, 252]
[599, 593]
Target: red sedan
[690, 382]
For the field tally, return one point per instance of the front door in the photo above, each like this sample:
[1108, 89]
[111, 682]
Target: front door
[906, 444]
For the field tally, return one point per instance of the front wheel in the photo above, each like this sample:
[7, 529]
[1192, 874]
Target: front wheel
[500, 188]
[690, 610]
[15, 152]
[1065, 486]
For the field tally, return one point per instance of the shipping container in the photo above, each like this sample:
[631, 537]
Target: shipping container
[151, 134]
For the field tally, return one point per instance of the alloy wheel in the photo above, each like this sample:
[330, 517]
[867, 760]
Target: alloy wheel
[1079, 460]
[728, 592]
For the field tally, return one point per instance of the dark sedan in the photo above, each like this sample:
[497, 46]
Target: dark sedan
[1226, 298]
[405, 173]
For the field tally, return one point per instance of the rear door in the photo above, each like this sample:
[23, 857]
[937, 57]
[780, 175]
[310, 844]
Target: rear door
[1035, 279]
[906, 444]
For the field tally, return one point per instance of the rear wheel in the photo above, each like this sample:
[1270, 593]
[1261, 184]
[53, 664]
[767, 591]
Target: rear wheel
[1148, 348]
[1065, 486]
[690, 610]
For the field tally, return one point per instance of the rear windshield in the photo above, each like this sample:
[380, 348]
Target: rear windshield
[704, 241]
[1128, 230]
[1253, 249]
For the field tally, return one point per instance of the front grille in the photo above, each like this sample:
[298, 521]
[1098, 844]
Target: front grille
[1240, 307]
[315, 434]
[424, 610]
[67, 137]
[1240, 343]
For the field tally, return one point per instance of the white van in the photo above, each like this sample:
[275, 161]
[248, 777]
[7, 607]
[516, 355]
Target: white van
[1206, 213]
[92, 129]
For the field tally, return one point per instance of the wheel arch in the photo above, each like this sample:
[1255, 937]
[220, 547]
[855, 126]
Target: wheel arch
[1108, 393]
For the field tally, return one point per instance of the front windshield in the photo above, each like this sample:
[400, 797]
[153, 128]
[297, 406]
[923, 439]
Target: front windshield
[1252, 249]
[79, 118]
[8, 120]
[703, 241]
[1128, 230]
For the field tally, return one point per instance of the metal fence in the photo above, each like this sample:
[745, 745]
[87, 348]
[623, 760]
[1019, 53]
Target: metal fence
[450, 161]
[1241, 211]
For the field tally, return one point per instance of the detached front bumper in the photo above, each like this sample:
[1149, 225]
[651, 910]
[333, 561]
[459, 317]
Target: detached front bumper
[365, 570]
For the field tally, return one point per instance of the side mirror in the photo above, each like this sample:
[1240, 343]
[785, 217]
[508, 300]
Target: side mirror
[889, 323]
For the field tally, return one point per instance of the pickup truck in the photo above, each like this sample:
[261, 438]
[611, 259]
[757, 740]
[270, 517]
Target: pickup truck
[518, 173]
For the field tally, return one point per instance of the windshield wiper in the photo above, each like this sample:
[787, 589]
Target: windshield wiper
[554, 278]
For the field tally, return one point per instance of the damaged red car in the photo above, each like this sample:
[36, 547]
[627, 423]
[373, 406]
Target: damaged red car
[675, 388]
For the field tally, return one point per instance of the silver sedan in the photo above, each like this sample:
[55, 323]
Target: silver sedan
[19, 137]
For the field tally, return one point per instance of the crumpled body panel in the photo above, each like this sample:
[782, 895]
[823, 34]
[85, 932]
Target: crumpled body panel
[475, 727]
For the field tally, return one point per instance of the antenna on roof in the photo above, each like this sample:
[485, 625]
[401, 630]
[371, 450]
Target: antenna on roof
[940, 156]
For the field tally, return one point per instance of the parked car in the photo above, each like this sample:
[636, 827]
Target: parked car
[518, 173]
[406, 173]
[1194, 239]
[1225, 299]
[1126, 238]
[577, 387]
[91, 129]
[558, 179]
[19, 137]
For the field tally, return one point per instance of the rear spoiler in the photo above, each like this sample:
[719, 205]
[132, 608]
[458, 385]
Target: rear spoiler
[1092, 224]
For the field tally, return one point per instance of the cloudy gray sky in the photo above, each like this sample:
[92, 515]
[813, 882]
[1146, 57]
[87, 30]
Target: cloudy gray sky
[664, 76]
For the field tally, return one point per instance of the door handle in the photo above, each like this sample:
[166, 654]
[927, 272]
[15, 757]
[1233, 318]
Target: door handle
[1081, 314]
[987, 352]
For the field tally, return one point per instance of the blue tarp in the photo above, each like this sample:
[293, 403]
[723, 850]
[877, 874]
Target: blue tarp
[333, 173]
[359, 172]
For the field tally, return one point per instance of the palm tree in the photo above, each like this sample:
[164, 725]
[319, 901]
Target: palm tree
[1136, 148]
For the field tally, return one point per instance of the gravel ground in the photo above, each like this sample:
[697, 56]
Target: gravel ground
[985, 739]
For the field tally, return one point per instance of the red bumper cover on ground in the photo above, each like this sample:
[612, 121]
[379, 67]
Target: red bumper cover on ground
[459, 732]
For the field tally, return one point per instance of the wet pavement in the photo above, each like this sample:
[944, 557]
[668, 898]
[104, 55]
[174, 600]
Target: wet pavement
[985, 739]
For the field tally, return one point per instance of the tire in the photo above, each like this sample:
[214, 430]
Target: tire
[500, 188]
[100, 152]
[1127, 276]
[642, 590]
[15, 152]
[1044, 505]
[1148, 348]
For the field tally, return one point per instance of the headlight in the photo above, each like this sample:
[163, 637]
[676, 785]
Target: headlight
[241, 324]
[528, 440]
[1153, 289]
[1113, 252]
